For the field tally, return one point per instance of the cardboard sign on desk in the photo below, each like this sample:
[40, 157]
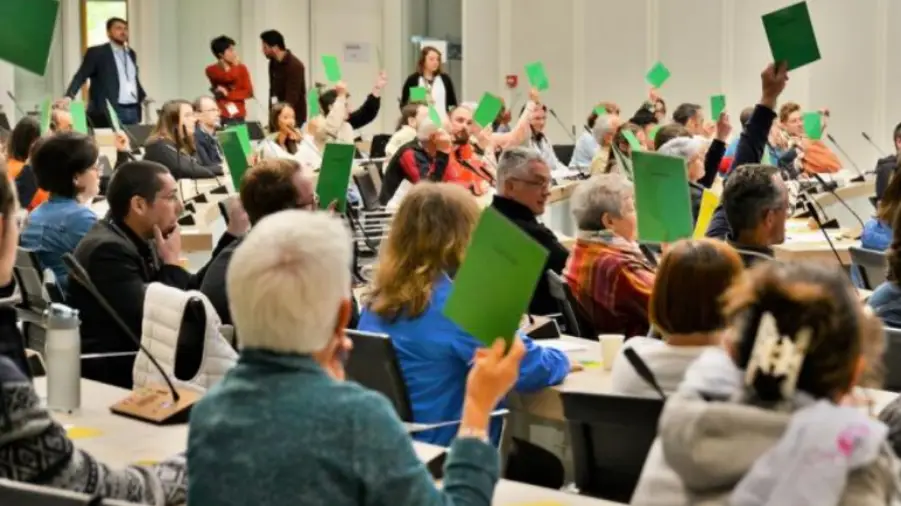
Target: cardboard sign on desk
[662, 199]
[493, 287]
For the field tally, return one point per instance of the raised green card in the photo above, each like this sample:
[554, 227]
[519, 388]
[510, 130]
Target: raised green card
[419, 94]
[114, 122]
[334, 175]
[435, 117]
[657, 75]
[717, 106]
[813, 125]
[313, 102]
[27, 32]
[662, 199]
[488, 109]
[79, 116]
[537, 76]
[235, 155]
[332, 68]
[633, 141]
[790, 34]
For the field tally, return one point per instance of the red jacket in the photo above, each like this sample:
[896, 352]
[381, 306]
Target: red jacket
[237, 81]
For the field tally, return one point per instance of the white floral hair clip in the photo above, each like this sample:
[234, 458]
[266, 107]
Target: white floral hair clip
[777, 356]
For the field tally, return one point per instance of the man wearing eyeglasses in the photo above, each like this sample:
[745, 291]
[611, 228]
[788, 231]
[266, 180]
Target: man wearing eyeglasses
[523, 188]
[208, 117]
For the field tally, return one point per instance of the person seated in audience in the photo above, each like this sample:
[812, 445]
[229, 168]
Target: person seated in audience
[877, 231]
[284, 137]
[667, 133]
[886, 299]
[688, 325]
[539, 141]
[604, 131]
[587, 146]
[489, 144]
[743, 118]
[692, 150]
[172, 143]
[691, 116]
[756, 204]
[413, 280]
[796, 150]
[411, 115]
[23, 136]
[12, 344]
[430, 75]
[523, 188]
[207, 113]
[426, 158]
[289, 288]
[646, 120]
[65, 165]
[137, 243]
[340, 121]
[60, 120]
[714, 150]
[769, 419]
[466, 167]
[29, 193]
[887, 167]
[606, 271]
[620, 142]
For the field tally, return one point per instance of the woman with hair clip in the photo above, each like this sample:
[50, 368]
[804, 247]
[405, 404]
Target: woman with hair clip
[171, 143]
[771, 419]
[431, 76]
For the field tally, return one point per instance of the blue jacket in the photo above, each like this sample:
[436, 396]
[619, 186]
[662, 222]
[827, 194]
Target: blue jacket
[55, 228]
[279, 431]
[435, 356]
[886, 303]
[876, 235]
[584, 152]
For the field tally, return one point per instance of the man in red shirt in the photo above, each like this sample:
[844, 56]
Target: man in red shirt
[229, 81]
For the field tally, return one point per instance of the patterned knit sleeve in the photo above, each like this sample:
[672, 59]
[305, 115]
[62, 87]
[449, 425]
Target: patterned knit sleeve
[163, 484]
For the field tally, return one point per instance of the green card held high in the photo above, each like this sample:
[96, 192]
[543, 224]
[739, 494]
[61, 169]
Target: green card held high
[493, 287]
[790, 34]
[332, 68]
[487, 111]
[537, 76]
[813, 125]
[27, 32]
[235, 155]
[79, 116]
[419, 94]
[657, 75]
[717, 106]
[313, 102]
[662, 199]
[334, 175]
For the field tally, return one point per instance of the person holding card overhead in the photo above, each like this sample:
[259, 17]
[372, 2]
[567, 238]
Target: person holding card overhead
[171, 143]
[540, 142]
[607, 272]
[803, 148]
[465, 167]
[341, 122]
[287, 75]
[414, 277]
[430, 75]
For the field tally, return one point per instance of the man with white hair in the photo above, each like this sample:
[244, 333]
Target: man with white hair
[425, 158]
[523, 188]
[603, 131]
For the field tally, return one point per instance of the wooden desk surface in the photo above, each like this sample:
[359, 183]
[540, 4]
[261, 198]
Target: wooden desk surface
[562, 191]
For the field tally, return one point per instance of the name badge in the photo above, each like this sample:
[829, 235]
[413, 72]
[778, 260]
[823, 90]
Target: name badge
[274, 100]
[131, 89]
[231, 109]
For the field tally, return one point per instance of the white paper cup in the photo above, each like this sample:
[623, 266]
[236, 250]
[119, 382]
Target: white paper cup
[610, 345]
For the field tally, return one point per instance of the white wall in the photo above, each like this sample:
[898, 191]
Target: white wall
[601, 49]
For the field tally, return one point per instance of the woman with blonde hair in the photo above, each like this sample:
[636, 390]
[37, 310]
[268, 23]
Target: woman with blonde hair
[171, 143]
[413, 280]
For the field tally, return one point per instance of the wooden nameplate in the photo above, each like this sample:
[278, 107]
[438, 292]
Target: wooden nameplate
[154, 404]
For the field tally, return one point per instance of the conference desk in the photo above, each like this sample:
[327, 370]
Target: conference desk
[558, 211]
[803, 241]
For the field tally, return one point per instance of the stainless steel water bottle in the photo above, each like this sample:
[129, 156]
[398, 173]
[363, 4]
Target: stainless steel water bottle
[63, 358]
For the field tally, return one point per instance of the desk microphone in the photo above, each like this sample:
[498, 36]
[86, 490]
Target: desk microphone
[875, 146]
[859, 178]
[568, 131]
[16, 103]
[813, 214]
[153, 404]
[830, 187]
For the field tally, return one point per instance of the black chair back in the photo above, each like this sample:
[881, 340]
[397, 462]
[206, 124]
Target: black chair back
[190, 344]
[373, 363]
[576, 324]
[138, 134]
[611, 438]
[255, 131]
[378, 145]
[30, 278]
[891, 360]
[564, 152]
[368, 192]
[871, 266]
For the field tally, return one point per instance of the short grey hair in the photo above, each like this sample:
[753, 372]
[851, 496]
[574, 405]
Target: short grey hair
[426, 129]
[604, 125]
[600, 195]
[682, 147]
[515, 162]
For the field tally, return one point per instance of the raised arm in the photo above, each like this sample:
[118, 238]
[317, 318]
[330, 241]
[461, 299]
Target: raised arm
[754, 137]
[520, 132]
[86, 70]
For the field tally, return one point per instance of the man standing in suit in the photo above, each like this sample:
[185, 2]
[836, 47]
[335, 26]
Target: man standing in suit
[287, 76]
[113, 71]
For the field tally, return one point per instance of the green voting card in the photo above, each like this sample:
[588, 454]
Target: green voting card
[235, 155]
[537, 76]
[657, 75]
[813, 125]
[487, 111]
[243, 137]
[633, 141]
[79, 116]
[600, 110]
[46, 110]
[313, 102]
[113, 118]
[624, 163]
[790, 34]
[334, 175]
[766, 159]
[493, 287]
[717, 106]
[27, 32]
[332, 68]
[434, 117]
[652, 134]
[419, 94]
[662, 198]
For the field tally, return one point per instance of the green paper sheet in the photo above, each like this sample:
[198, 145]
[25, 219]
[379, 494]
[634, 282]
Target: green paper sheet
[313, 102]
[79, 116]
[537, 76]
[487, 111]
[652, 134]
[662, 200]
[113, 118]
[632, 140]
[791, 37]
[334, 175]
[813, 125]
[493, 287]
[235, 155]
[46, 110]
[27, 32]
[624, 162]
[657, 75]
[332, 68]
[717, 106]
[419, 94]
[243, 137]
[766, 159]
[600, 110]
[435, 117]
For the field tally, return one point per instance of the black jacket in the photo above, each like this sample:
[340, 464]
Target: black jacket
[12, 344]
[367, 112]
[207, 148]
[542, 302]
[413, 81]
[181, 166]
[885, 169]
[99, 65]
[121, 265]
[413, 164]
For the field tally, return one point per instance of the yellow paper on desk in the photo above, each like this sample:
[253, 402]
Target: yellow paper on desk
[708, 205]
[82, 432]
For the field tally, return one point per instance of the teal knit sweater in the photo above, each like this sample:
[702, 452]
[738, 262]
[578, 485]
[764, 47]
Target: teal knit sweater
[279, 431]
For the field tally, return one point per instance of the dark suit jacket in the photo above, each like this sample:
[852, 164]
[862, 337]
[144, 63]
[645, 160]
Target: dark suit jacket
[181, 165]
[121, 265]
[99, 65]
[885, 169]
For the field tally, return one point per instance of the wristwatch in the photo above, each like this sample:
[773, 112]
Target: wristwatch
[470, 433]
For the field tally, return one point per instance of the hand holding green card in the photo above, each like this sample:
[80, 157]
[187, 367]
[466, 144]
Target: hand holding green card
[332, 68]
[334, 175]
[791, 37]
[313, 102]
[717, 106]
[633, 141]
[113, 118]
[27, 32]
[419, 94]
[537, 76]
[487, 111]
[493, 287]
[235, 155]
[662, 200]
[813, 125]
[657, 75]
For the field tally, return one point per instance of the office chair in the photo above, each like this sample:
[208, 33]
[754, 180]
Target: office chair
[373, 364]
[378, 145]
[37, 293]
[870, 266]
[576, 325]
[891, 360]
[611, 438]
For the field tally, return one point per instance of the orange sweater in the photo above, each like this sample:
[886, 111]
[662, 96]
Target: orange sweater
[13, 168]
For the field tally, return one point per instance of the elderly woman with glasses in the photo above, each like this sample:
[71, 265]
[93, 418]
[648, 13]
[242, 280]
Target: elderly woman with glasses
[606, 271]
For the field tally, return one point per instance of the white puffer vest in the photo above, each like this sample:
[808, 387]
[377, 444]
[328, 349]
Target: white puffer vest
[164, 309]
